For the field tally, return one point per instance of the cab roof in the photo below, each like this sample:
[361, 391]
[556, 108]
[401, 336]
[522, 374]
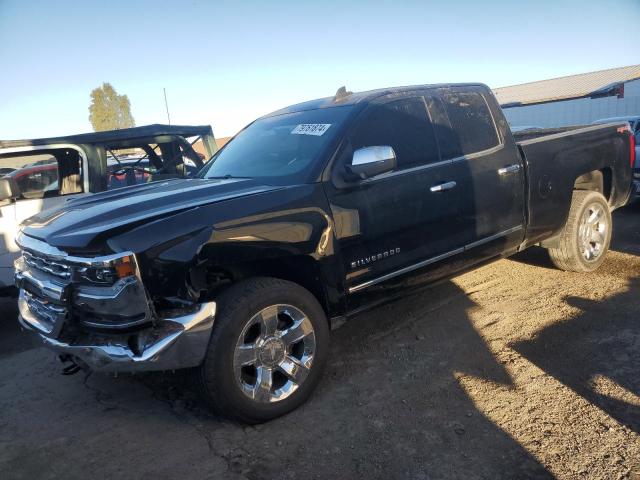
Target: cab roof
[351, 98]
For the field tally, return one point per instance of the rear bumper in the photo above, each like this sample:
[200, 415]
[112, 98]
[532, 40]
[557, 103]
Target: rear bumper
[171, 344]
[635, 190]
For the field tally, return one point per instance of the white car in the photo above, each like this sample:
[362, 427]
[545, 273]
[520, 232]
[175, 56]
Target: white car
[39, 174]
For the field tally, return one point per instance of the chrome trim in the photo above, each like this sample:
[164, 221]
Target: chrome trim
[168, 343]
[410, 268]
[47, 265]
[26, 242]
[406, 171]
[593, 231]
[126, 298]
[43, 286]
[491, 238]
[373, 154]
[442, 187]
[115, 326]
[176, 342]
[104, 293]
[440, 163]
[41, 315]
[509, 169]
[274, 351]
[424, 263]
[481, 153]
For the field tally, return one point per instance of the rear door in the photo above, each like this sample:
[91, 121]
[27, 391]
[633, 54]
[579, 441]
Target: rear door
[389, 227]
[486, 159]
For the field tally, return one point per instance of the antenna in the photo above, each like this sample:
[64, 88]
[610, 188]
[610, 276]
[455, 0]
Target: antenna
[166, 105]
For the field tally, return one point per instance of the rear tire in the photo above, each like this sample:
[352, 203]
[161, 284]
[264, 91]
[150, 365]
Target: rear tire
[268, 348]
[586, 236]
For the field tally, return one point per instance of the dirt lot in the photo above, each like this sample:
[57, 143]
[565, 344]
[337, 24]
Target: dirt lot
[515, 370]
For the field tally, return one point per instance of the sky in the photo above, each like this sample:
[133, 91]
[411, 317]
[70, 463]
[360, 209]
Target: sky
[226, 63]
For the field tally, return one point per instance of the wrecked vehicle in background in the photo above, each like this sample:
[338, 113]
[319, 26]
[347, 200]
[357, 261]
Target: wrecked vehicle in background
[39, 174]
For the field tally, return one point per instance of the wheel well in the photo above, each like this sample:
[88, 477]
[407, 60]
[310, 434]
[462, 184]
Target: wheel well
[597, 180]
[299, 269]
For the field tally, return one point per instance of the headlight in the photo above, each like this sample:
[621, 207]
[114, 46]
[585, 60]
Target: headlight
[108, 272]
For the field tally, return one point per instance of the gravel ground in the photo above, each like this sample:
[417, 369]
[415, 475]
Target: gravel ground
[516, 370]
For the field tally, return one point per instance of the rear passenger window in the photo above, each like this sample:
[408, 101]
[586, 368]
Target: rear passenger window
[402, 124]
[472, 125]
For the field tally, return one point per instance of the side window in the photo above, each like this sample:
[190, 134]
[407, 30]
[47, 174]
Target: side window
[402, 124]
[471, 122]
[44, 174]
[34, 175]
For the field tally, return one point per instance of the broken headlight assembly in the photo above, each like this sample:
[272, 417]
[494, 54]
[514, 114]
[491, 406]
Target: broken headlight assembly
[107, 272]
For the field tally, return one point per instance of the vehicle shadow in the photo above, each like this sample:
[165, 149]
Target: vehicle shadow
[536, 256]
[390, 404]
[595, 353]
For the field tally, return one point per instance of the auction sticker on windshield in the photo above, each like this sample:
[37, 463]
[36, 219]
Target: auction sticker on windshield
[316, 129]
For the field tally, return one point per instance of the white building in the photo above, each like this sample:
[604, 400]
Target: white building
[573, 100]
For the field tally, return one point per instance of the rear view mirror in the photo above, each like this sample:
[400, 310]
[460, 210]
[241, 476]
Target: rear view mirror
[8, 189]
[369, 162]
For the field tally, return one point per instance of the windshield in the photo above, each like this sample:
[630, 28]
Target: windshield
[283, 146]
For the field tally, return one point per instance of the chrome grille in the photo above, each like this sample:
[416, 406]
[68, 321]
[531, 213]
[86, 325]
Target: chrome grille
[45, 264]
[49, 315]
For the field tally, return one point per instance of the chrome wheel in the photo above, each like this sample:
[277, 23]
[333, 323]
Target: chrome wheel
[274, 353]
[592, 232]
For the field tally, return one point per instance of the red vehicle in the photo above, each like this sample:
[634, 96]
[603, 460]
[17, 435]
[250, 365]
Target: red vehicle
[35, 178]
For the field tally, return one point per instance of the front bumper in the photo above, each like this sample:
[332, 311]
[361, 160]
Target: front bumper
[171, 344]
[105, 328]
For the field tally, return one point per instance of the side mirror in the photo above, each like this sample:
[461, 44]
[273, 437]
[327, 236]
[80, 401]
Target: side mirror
[369, 162]
[8, 189]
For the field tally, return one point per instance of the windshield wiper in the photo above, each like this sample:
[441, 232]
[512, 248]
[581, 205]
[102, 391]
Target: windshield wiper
[224, 177]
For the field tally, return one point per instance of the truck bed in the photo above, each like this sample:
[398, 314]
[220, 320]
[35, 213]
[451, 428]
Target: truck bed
[554, 158]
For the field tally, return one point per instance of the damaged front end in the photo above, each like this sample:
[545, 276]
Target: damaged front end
[96, 312]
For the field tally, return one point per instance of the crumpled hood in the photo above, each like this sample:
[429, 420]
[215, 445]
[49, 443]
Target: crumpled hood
[79, 221]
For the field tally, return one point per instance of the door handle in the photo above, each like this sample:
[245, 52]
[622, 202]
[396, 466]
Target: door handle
[510, 169]
[443, 187]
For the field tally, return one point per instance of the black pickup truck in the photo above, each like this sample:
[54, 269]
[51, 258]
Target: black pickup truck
[309, 215]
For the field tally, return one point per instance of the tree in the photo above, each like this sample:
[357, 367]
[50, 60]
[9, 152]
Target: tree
[108, 110]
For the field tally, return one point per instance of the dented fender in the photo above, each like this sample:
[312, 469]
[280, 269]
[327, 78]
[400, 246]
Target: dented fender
[186, 256]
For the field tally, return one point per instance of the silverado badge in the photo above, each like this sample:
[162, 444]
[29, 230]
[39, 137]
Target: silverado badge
[374, 258]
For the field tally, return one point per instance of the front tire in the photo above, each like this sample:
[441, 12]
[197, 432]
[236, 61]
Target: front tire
[586, 236]
[267, 350]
